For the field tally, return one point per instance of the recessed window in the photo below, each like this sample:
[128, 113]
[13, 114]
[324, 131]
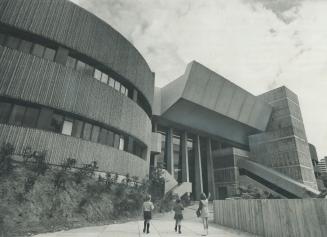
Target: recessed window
[71, 62]
[87, 131]
[122, 89]
[104, 78]
[2, 38]
[95, 133]
[89, 70]
[110, 138]
[49, 54]
[77, 128]
[111, 82]
[97, 74]
[103, 136]
[121, 143]
[4, 111]
[126, 91]
[67, 127]
[80, 66]
[17, 115]
[116, 141]
[12, 42]
[117, 85]
[25, 46]
[38, 50]
[31, 117]
[56, 123]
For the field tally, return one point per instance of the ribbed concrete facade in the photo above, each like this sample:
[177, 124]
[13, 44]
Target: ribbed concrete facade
[29, 80]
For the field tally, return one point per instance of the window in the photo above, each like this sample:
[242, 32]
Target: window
[17, 115]
[38, 50]
[104, 78]
[67, 127]
[95, 133]
[77, 128]
[117, 85]
[4, 112]
[89, 70]
[71, 62]
[121, 143]
[25, 46]
[87, 131]
[126, 91]
[2, 38]
[49, 54]
[112, 82]
[116, 141]
[122, 89]
[31, 117]
[110, 138]
[80, 66]
[103, 136]
[97, 74]
[12, 42]
[56, 123]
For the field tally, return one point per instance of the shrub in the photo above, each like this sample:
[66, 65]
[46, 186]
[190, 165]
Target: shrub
[87, 171]
[6, 161]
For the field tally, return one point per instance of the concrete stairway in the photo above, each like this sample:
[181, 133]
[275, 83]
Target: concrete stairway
[172, 185]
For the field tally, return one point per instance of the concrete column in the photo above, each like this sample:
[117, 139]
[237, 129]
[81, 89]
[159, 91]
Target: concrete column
[185, 166]
[197, 169]
[170, 151]
[211, 178]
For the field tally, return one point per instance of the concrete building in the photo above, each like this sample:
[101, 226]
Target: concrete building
[72, 85]
[323, 166]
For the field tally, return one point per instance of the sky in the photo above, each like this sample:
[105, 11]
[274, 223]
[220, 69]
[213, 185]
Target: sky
[257, 44]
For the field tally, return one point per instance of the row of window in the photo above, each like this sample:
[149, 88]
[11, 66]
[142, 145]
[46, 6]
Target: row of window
[46, 119]
[71, 61]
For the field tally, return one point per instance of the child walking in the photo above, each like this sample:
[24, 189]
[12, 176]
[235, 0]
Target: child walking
[178, 209]
[147, 213]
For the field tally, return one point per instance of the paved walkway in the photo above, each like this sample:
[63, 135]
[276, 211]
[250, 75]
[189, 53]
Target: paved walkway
[161, 226]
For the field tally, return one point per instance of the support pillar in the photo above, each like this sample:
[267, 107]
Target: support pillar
[170, 151]
[185, 165]
[210, 170]
[197, 169]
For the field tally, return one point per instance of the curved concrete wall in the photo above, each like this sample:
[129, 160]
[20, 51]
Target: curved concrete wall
[33, 79]
[69, 25]
[60, 147]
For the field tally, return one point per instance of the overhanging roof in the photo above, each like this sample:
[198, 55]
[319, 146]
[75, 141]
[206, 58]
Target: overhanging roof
[204, 100]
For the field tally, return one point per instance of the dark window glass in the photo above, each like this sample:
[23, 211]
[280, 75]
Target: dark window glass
[67, 127]
[71, 62]
[56, 123]
[104, 78]
[110, 138]
[87, 131]
[49, 54]
[17, 115]
[89, 70]
[31, 117]
[80, 66]
[4, 112]
[103, 136]
[77, 128]
[12, 42]
[111, 82]
[38, 50]
[117, 85]
[25, 46]
[2, 38]
[95, 133]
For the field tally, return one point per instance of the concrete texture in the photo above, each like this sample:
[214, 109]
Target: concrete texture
[203, 87]
[60, 147]
[65, 23]
[161, 226]
[284, 145]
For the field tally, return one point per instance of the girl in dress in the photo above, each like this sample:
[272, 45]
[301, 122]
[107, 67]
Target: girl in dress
[204, 208]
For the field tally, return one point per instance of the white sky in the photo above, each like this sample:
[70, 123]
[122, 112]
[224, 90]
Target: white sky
[257, 44]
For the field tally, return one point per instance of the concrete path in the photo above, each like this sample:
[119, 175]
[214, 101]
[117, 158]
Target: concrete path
[161, 226]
